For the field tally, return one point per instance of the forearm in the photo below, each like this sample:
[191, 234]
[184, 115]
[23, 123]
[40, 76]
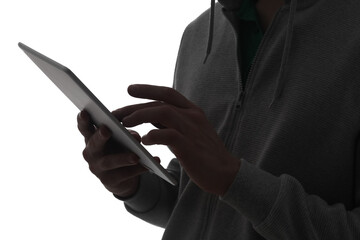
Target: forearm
[279, 208]
[154, 200]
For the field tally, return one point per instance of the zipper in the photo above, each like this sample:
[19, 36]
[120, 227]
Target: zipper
[240, 101]
[237, 118]
[261, 48]
[237, 114]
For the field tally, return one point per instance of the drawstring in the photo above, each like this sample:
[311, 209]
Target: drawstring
[211, 30]
[280, 82]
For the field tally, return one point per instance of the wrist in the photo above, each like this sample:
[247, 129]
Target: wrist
[230, 174]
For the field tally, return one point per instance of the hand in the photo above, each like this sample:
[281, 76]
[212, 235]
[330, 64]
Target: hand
[116, 168]
[183, 127]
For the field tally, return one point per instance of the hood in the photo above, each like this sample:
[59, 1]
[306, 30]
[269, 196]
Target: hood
[233, 5]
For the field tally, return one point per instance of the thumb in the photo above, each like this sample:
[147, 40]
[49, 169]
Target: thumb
[135, 135]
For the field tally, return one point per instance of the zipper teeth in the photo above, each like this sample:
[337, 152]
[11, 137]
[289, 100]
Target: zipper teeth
[261, 49]
[243, 96]
[237, 115]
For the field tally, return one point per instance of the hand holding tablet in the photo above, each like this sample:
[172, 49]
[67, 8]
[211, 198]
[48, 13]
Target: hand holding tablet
[82, 97]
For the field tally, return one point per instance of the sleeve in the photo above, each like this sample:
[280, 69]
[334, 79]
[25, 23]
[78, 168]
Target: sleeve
[155, 198]
[279, 208]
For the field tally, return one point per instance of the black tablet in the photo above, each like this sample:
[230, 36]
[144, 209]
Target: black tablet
[84, 99]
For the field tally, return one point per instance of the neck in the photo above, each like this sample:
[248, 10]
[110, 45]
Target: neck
[267, 10]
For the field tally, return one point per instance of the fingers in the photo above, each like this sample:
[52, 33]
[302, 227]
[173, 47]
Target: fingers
[163, 136]
[96, 144]
[125, 111]
[112, 178]
[114, 161]
[116, 168]
[85, 126]
[170, 101]
[164, 115]
[170, 137]
[120, 187]
[164, 94]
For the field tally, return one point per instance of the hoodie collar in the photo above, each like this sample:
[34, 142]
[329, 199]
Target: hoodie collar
[233, 5]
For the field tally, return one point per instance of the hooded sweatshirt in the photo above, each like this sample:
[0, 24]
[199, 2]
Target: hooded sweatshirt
[294, 125]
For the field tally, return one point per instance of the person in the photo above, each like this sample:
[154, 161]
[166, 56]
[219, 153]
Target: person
[264, 120]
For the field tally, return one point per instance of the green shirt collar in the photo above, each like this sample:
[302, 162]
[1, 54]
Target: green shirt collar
[247, 12]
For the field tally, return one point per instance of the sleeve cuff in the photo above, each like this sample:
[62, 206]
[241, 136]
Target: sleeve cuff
[147, 195]
[253, 192]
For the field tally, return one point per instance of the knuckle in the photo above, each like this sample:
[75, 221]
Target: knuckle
[172, 135]
[93, 142]
[168, 92]
[169, 112]
[197, 114]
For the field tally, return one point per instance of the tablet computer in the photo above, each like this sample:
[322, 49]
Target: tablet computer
[84, 99]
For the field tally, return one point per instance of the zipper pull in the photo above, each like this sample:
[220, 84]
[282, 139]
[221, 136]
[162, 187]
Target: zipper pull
[240, 100]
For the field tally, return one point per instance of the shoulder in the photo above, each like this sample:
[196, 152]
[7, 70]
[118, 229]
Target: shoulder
[200, 25]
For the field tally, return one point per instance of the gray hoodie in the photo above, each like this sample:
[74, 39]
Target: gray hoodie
[295, 125]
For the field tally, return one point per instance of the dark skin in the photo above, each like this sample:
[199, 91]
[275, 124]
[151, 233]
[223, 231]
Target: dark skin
[181, 126]
[116, 168]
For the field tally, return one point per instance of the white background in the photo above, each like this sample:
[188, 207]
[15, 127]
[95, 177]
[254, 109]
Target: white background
[46, 189]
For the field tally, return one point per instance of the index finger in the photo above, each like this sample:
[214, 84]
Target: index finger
[164, 94]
